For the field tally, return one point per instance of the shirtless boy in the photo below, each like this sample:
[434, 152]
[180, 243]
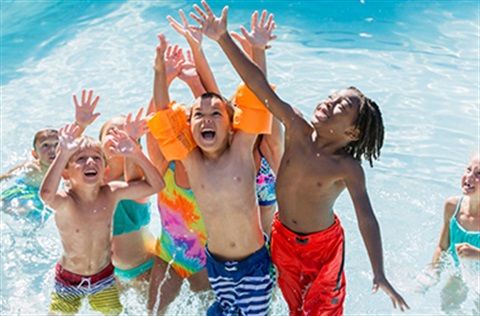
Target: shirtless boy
[22, 197]
[83, 215]
[221, 172]
[321, 159]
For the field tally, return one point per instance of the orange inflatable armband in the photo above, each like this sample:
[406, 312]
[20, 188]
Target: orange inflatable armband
[171, 130]
[251, 115]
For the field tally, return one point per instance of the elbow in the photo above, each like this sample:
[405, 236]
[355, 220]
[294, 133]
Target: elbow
[158, 185]
[46, 196]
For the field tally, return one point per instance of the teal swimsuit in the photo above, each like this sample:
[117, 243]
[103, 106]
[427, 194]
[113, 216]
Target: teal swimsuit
[458, 234]
[24, 196]
[130, 216]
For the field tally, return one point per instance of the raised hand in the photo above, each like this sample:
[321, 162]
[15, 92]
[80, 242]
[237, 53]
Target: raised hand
[188, 71]
[260, 31]
[123, 144]
[68, 142]
[174, 60]
[160, 52]
[84, 115]
[192, 34]
[397, 300]
[137, 127]
[210, 25]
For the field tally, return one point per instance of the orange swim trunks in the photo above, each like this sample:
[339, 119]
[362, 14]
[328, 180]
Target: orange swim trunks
[310, 268]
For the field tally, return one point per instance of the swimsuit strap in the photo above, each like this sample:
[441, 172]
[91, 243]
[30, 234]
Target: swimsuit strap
[458, 208]
[260, 152]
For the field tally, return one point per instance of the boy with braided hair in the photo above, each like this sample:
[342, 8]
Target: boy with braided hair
[321, 159]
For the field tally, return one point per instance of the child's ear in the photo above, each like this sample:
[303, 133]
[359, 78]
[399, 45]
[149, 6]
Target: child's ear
[353, 134]
[34, 154]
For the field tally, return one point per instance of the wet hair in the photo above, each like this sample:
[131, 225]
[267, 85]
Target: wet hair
[43, 132]
[230, 107]
[90, 142]
[370, 124]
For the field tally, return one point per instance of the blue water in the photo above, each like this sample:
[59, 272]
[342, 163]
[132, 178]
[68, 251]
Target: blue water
[419, 60]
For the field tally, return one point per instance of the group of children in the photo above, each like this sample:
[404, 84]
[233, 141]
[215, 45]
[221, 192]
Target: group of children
[215, 167]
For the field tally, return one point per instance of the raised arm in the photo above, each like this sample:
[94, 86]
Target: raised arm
[189, 75]
[150, 184]
[255, 42]
[84, 115]
[135, 128]
[370, 231]
[67, 146]
[216, 29]
[161, 97]
[153, 149]
[194, 39]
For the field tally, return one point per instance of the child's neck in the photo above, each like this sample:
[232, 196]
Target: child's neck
[214, 154]
[87, 194]
[474, 204]
[328, 144]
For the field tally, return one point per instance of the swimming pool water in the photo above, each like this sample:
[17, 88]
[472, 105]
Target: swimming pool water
[419, 60]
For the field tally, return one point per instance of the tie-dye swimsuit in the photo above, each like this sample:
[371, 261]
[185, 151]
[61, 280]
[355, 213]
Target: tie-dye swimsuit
[183, 236]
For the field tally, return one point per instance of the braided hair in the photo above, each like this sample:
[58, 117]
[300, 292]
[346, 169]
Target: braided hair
[370, 124]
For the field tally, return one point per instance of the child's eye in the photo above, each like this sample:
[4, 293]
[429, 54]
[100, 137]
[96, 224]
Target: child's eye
[217, 113]
[198, 114]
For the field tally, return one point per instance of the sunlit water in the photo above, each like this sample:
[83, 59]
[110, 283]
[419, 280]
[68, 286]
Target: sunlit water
[418, 59]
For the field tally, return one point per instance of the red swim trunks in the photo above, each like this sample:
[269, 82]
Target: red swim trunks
[310, 267]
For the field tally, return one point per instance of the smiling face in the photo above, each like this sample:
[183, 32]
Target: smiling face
[210, 123]
[45, 146]
[471, 178]
[87, 165]
[339, 110]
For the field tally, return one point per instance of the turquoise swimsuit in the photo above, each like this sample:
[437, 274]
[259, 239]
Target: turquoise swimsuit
[458, 234]
[130, 216]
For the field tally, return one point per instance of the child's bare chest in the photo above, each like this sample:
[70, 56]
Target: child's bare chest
[310, 167]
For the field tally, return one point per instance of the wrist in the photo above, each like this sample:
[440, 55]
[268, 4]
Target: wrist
[223, 37]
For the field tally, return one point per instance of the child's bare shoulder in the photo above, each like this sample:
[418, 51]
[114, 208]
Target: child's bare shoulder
[450, 206]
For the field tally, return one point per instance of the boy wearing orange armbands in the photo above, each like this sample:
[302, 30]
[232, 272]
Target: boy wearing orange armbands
[221, 172]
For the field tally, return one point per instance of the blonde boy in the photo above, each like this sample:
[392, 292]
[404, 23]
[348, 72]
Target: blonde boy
[83, 215]
[221, 172]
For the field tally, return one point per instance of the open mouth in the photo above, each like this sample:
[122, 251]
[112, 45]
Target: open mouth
[90, 173]
[208, 134]
[469, 186]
